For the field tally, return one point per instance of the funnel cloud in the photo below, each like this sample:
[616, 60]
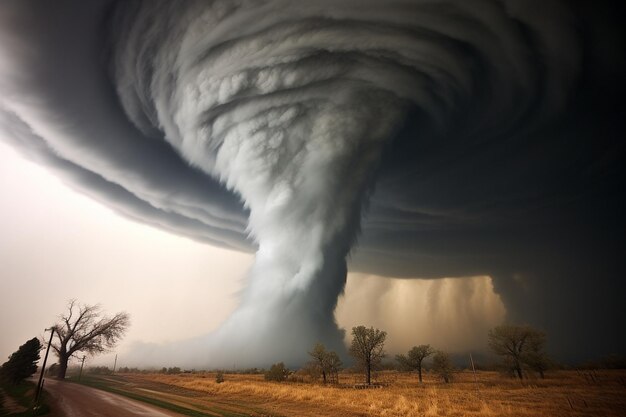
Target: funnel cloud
[408, 138]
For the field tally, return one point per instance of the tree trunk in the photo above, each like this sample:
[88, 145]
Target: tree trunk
[368, 374]
[62, 367]
[419, 372]
[324, 376]
[541, 373]
[518, 370]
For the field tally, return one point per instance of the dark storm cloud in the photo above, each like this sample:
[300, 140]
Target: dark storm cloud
[61, 111]
[124, 202]
[488, 136]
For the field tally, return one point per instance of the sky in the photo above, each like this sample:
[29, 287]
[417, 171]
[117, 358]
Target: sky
[58, 244]
[327, 145]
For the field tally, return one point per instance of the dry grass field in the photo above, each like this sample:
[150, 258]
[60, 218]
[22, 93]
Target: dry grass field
[562, 393]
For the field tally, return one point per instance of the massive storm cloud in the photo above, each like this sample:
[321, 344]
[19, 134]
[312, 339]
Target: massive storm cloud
[407, 138]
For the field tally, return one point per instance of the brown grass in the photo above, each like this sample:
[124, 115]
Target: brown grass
[562, 393]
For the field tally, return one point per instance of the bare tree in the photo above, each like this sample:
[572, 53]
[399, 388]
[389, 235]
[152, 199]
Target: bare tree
[413, 360]
[84, 328]
[320, 355]
[367, 348]
[519, 345]
[327, 362]
[334, 364]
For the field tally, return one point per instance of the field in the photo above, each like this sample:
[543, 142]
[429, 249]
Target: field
[16, 400]
[562, 393]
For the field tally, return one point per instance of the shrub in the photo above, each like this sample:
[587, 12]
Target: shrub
[295, 377]
[219, 378]
[53, 370]
[277, 372]
[99, 370]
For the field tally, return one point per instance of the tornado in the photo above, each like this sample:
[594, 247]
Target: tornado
[287, 115]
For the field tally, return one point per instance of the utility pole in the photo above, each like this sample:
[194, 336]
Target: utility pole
[115, 363]
[474, 371]
[43, 367]
[80, 375]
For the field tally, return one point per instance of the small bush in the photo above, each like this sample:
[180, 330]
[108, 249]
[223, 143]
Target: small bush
[53, 370]
[295, 377]
[277, 372]
[99, 370]
[171, 371]
[219, 378]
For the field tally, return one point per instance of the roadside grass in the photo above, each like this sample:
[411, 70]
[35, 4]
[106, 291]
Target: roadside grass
[22, 394]
[561, 394]
[106, 384]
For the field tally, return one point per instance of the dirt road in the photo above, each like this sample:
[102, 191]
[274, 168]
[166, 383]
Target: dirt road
[73, 400]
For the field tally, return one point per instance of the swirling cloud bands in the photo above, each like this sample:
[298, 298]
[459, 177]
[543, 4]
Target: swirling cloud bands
[483, 137]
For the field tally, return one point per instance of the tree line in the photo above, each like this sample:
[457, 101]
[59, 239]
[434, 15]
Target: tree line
[520, 348]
